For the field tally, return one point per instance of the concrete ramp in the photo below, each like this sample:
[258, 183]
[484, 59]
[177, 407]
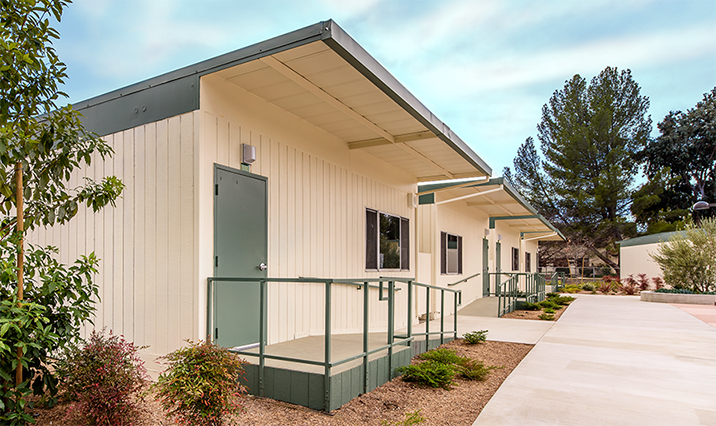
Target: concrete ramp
[484, 307]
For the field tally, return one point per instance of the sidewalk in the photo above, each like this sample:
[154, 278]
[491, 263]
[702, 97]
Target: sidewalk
[613, 361]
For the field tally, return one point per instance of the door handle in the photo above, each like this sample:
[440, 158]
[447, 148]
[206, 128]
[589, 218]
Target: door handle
[262, 266]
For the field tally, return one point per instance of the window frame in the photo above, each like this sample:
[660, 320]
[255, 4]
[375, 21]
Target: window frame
[515, 259]
[372, 259]
[444, 254]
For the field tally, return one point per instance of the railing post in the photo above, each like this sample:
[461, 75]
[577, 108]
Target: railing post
[327, 351]
[391, 326]
[366, 303]
[427, 318]
[455, 316]
[442, 317]
[262, 340]
[410, 309]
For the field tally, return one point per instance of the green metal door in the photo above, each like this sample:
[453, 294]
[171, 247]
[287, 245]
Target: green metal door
[485, 268]
[498, 267]
[240, 250]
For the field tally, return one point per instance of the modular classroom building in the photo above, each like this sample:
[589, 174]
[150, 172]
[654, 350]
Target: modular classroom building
[300, 166]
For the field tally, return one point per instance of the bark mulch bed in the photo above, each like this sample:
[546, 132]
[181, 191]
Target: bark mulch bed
[459, 406]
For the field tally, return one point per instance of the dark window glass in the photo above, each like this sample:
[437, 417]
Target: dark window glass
[528, 262]
[515, 259]
[389, 257]
[450, 253]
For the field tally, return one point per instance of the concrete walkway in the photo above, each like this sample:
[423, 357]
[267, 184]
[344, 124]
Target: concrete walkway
[613, 361]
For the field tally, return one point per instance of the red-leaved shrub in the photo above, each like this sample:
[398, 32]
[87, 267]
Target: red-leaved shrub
[643, 282]
[200, 386]
[658, 282]
[629, 286]
[102, 380]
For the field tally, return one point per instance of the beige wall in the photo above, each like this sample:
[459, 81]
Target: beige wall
[318, 192]
[146, 245]
[636, 260]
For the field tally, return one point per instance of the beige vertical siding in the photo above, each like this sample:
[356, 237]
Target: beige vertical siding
[146, 243]
[316, 229]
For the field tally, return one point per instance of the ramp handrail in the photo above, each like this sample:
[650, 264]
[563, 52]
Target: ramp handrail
[363, 283]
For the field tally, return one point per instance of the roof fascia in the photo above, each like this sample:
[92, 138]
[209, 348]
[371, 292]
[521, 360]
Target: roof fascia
[177, 92]
[363, 62]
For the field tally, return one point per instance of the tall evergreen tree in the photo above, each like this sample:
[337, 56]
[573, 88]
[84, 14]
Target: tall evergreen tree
[583, 180]
[681, 167]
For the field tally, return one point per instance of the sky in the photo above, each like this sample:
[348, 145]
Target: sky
[484, 67]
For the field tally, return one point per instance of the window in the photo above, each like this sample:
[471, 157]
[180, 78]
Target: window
[387, 241]
[528, 262]
[450, 253]
[515, 259]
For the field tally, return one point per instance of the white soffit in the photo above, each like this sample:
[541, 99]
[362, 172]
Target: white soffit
[316, 84]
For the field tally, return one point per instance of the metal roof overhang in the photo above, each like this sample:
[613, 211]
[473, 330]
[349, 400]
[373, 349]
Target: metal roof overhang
[499, 200]
[321, 75]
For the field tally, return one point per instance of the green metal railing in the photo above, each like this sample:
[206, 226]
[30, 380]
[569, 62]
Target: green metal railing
[363, 284]
[507, 293]
[557, 281]
[527, 286]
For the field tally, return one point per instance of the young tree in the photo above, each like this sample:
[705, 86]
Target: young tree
[589, 136]
[688, 259]
[680, 165]
[44, 303]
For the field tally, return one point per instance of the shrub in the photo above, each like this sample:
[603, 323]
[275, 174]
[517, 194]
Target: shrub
[413, 418]
[588, 287]
[549, 311]
[605, 287]
[442, 355]
[688, 257]
[200, 386]
[474, 370]
[573, 288]
[475, 337]
[547, 317]
[629, 286]
[549, 304]
[658, 282]
[551, 295]
[103, 379]
[562, 300]
[530, 306]
[642, 281]
[431, 373]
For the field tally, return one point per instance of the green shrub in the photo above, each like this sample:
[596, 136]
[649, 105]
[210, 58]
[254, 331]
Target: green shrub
[547, 317]
[551, 295]
[549, 304]
[413, 418]
[102, 379]
[200, 386]
[573, 288]
[687, 259]
[530, 307]
[474, 370]
[588, 287]
[549, 311]
[474, 337]
[562, 300]
[442, 355]
[431, 373]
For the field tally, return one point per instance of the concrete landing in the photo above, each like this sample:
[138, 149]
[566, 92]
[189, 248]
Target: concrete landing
[613, 361]
[484, 307]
